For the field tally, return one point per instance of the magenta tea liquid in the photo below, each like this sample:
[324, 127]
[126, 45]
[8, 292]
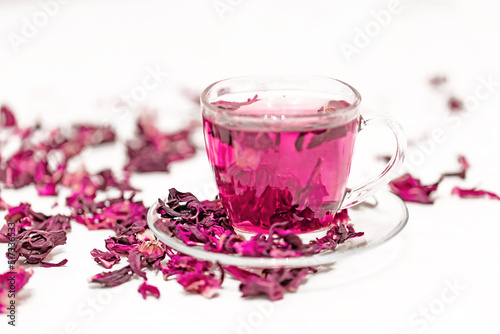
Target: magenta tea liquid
[273, 174]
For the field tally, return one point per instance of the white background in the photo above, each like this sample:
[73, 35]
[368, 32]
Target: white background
[74, 66]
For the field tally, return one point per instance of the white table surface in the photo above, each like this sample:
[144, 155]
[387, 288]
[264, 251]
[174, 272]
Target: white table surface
[91, 52]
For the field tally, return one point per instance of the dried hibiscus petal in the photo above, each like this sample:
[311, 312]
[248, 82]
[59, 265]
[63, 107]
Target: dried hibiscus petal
[54, 223]
[36, 245]
[410, 189]
[438, 80]
[272, 282]
[51, 265]
[183, 263]
[455, 105]
[152, 250]
[12, 282]
[334, 105]
[7, 118]
[136, 262]
[148, 290]
[232, 106]
[473, 193]
[125, 216]
[106, 259]
[122, 244]
[113, 278]
[253, 284]
[290, 279]
[153, 151]
[196, 282]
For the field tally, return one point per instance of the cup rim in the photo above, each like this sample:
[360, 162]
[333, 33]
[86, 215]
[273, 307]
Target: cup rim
[338, 112]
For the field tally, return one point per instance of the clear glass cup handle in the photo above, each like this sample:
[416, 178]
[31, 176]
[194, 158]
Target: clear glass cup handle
[358, 194]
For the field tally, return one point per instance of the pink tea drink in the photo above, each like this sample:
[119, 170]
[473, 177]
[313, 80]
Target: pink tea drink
[277, 175]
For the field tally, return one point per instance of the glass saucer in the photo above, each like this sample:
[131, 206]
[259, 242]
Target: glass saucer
[381, 218]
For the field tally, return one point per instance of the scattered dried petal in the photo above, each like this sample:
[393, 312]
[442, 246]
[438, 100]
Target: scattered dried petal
[113, 278]
[36, 245]
[455, 105]
[106, 259]
[148, 290]
[438, 80]
[153, 151]
[473, 193]
[195, 282]
[12, 282]
[7, 118]
[272, 282]
[232, 106]
[410, 189]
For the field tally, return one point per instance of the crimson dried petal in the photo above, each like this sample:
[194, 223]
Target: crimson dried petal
[113, 278]
[152, 250]
[120, 244]
[80, 182]
[51, 265]
[120, 214]
[258, 140]
[93, 135]
[290, 279]
[232, 106]
[257, 286]
[106, 259]
[21, 275]
[7, 118]
[153, 151]
[31, 163]
[183, 263]
[16, 278]
[148, 290]
[54, 223]
[473, 193]
[410, 189]
[334, 105]
[455, 105]
[18, 171]
[145, 235]
[45, 179]
[86, 184]
[136, 261]
[47, 189]
[107, 179]
[253, 284]
[24, 210]
[196, 282]
[18, 217]
[36, 245]
[312, 195]
[326, 135]
[464, 164]
[272, 282]
[438, 80]
[80, 205]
